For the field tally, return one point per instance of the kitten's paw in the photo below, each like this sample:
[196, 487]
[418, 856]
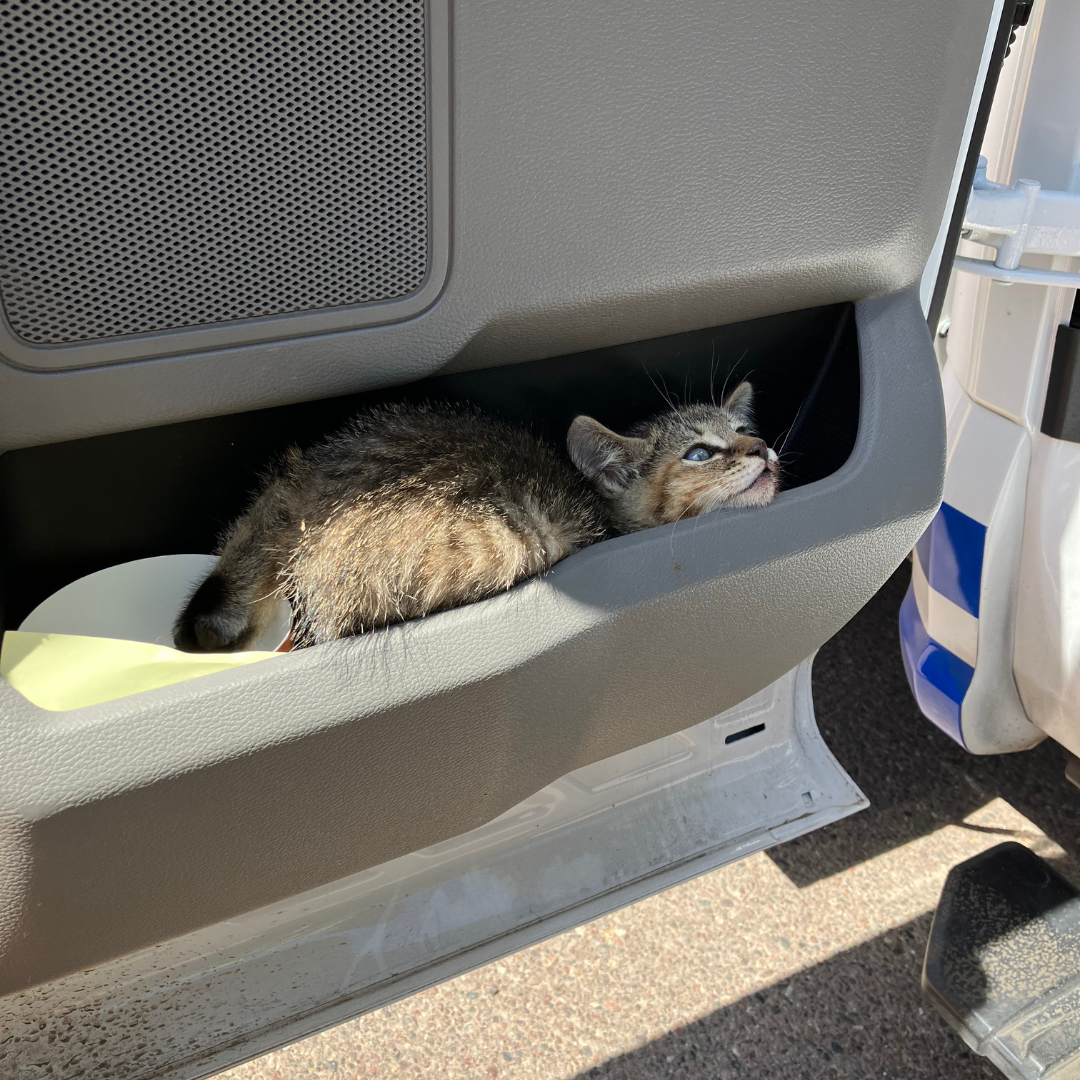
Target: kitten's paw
[210, 622]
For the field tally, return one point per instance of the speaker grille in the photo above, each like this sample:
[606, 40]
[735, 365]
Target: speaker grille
[171, 163]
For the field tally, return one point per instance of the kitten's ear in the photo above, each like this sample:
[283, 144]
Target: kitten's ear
[740, 403]
[609, 460]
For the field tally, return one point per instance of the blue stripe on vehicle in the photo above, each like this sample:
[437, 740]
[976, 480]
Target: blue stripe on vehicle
[951, 554]
[938, 678]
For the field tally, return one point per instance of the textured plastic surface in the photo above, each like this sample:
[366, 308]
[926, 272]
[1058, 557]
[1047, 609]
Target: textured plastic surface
[133, 822]
[594, 840]
[174, 165]
[181, 178]
[1003, 963]
[618, 174]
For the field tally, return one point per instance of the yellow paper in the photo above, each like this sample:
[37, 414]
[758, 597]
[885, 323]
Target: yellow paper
[64, 671]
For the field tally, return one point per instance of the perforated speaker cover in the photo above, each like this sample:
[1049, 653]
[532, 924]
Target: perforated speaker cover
[173, 163]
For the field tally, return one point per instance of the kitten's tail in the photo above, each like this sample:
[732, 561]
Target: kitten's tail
[233, 606]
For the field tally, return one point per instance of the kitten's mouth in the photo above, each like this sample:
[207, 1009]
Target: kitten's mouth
[765, 479]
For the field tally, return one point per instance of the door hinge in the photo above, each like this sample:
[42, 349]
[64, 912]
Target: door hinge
[1016, 220]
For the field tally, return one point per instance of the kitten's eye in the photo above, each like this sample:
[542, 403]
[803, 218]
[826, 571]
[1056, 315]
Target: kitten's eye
[698, 453]
[738, 427]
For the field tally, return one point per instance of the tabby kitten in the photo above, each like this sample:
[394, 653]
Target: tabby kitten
[413, 509]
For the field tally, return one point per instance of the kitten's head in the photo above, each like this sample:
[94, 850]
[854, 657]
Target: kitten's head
[679, 463]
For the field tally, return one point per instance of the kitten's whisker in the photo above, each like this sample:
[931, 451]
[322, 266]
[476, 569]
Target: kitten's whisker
[731, 371]
[664, 397]
[260, 599]
[727, 378]
[682, 516]
[671, 402]
[780, 436]
[676, 522]
[791, 428]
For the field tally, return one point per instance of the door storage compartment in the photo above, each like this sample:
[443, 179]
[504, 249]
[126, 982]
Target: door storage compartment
[73, 508]
[137, 820]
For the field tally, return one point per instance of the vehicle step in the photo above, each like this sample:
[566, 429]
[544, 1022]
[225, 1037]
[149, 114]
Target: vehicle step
[1003, 962]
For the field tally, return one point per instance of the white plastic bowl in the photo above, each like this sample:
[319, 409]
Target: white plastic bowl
[137, 601]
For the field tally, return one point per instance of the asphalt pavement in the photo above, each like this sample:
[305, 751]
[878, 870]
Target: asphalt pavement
[802, 962]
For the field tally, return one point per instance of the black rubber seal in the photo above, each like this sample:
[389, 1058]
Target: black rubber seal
[1061, 413]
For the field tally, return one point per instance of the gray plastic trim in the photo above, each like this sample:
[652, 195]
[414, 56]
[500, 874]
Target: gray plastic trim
[620, 174]
[595, 840]
[132, 822]
[16, 350]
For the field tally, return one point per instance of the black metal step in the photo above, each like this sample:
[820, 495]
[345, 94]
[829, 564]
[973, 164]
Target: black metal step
[1003, 963]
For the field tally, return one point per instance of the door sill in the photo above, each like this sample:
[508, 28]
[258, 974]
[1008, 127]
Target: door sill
[595, 840]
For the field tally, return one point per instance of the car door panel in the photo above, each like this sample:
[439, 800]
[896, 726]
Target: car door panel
[137, 820]
[601, 837]
[620, 202]
[615, 174]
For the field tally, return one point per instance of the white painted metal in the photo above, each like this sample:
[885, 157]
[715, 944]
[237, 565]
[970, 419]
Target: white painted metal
[1022, 274]
[1047, 656]
[946, 622]
[1046, 660]
[999, 345]
[1017, 220]
[1000, 340]
[985, 480]
[1022, 218]
[597, 839]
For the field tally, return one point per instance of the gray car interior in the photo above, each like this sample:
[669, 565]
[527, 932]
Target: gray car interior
[619, 201]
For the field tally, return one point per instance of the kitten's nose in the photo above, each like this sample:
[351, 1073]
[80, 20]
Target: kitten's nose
[759, 449]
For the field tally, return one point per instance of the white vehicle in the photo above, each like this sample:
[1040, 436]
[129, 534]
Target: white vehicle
[990, 627]
[991, 624]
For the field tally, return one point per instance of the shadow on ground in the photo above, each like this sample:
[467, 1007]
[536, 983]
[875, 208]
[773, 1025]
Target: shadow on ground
[916, 778]
[862, 1014]
[836, 1019]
